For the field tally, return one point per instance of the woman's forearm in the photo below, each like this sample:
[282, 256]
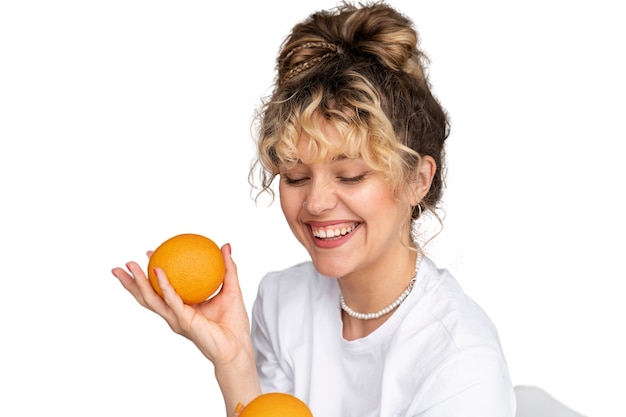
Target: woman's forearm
[238, 381]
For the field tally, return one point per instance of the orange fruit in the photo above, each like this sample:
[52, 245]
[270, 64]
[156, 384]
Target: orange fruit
[193, 264]
[276, 404]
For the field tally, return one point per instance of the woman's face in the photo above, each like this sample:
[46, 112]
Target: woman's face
[343, 212]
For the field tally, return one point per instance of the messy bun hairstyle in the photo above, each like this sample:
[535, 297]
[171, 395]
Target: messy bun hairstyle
[361, 69]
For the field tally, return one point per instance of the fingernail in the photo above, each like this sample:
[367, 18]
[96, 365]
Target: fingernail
[238, 408]
[230, 249]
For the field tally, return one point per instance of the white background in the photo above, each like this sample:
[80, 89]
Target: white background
[123, 123]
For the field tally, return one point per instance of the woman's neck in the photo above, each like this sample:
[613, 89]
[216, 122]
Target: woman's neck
[376, 289]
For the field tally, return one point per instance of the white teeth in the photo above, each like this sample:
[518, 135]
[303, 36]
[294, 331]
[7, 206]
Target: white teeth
[332, 233]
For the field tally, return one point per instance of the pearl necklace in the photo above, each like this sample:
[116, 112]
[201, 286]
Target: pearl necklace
[390, 307]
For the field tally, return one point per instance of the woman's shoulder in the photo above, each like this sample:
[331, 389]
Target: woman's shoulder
[457, 314]
[458, 344]
[294, 294]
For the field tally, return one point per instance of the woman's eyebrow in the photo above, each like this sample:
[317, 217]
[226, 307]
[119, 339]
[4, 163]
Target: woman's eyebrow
[288, 164]
[343, 157]
[334, 158]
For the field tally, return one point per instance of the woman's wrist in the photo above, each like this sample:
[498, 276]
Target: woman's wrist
[238, 381]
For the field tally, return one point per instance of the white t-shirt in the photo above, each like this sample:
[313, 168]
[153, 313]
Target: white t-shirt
[438, 355]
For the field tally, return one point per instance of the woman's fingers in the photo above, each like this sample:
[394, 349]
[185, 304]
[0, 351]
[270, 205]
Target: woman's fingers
[231, 278]
[174, 309]
[153, 300]
[139, 286]
[170, 296]
[130, 284]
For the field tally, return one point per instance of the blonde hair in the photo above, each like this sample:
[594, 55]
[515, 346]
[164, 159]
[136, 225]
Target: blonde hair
[359, 68]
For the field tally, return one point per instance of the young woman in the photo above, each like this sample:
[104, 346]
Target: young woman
[370, 326]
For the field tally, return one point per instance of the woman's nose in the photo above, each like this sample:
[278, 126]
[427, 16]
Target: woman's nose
[320, 198]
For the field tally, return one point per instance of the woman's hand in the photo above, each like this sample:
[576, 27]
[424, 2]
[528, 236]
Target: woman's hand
[219, 327]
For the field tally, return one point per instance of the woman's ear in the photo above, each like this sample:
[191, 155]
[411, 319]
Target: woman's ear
[425, 174]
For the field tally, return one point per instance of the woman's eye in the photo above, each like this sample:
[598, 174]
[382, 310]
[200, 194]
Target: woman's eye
[352, 180]
[294, 181]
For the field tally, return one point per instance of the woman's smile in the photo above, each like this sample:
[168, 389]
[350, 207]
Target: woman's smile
[332, 236]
